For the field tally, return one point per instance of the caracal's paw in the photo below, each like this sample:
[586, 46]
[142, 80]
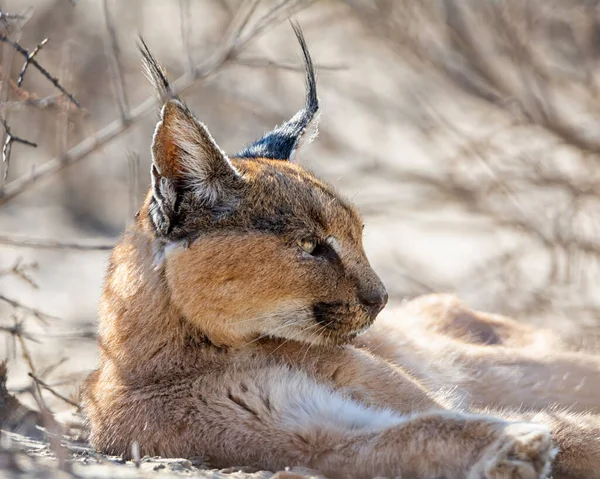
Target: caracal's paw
[524, 451]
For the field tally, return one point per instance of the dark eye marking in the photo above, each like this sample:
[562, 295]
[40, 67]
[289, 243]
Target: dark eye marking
[320, 250]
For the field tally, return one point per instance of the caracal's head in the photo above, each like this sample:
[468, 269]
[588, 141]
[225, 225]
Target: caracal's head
[253, 245]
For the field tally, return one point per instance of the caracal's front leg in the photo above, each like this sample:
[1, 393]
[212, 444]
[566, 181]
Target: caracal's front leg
[369, 379]
[276, 417]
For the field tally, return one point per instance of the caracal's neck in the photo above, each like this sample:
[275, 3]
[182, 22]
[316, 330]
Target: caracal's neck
[140, 330]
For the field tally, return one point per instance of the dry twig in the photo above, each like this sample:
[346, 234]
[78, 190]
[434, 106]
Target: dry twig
[52, 391]
[21, 270]
[7, 147]
[36, 313]
[44, 243]
[115, 61]
[29, 59]
[235, 40]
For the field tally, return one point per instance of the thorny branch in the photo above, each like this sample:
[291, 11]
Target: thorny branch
[7, 147]
[29, 59]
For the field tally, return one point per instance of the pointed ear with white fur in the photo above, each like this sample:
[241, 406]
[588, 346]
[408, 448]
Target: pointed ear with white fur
[186, 159]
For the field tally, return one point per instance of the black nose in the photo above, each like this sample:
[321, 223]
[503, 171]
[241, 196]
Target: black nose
[373, 299]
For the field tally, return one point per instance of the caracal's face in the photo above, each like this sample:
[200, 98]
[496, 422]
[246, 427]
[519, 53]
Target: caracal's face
[285, 261]
[255, 246]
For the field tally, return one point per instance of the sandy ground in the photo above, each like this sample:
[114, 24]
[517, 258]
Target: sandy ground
[27, 458]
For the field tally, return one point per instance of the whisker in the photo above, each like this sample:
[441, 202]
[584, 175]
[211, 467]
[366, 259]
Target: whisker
[288, 322]
[309, 343]
[266, 335]
[284, 342]
[274, 315]
[290, 339]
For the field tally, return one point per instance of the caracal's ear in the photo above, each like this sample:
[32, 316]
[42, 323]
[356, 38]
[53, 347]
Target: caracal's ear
[283, 142]
[185, 158]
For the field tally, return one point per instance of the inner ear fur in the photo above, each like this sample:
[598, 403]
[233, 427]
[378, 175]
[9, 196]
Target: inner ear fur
[184, 152]
[186, 159]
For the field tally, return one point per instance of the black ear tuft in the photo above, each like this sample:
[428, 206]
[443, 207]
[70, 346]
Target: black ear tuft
[186, 160]
[282, 142]
[155, 73]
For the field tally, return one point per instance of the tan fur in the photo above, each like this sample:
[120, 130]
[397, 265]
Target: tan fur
[221, 337]
[162, 384]
[523, 367]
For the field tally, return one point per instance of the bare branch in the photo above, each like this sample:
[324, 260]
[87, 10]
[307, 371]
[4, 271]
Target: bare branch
[24, 52]
[21, 270]
[7, 59]
[40, 315]
[18, 330]
[62, 118]
[185, 21]
[30, 57]
[48, 420]
[254, 62]
[27, 98]
[232, 45]
[115, 61]
[133, 162]
[279, 12]
[4, 17]
[52, 391]
[43, 243]
[7, 147]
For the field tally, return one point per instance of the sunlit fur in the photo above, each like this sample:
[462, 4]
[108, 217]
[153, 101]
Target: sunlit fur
[221, 337]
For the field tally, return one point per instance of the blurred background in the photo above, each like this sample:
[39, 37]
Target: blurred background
[467, 132]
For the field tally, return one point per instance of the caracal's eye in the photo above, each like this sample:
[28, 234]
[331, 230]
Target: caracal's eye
[309, 244]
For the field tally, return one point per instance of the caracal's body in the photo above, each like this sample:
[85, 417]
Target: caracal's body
[232, 326]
